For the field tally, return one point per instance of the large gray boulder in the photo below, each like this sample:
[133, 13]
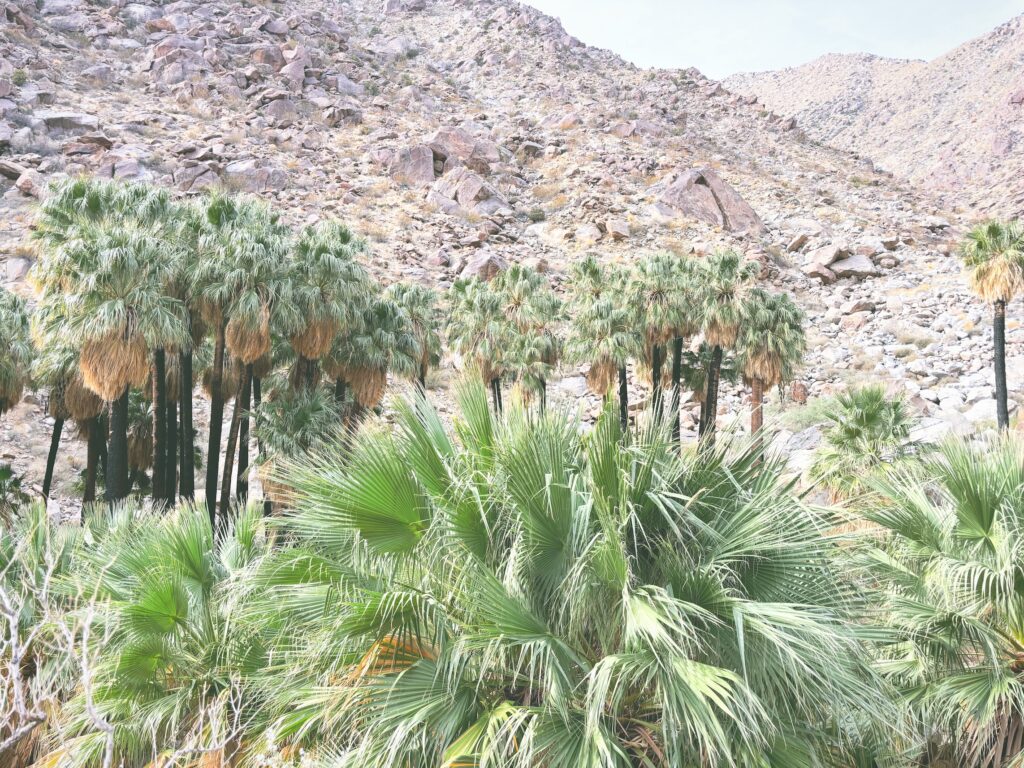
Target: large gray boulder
[700, 193]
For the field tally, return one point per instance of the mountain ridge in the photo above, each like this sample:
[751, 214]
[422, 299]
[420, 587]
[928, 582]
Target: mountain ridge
[954, 124]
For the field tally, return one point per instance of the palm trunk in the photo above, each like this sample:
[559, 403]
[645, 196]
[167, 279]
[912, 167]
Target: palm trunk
[756, 410]
[216, 426]
[677, 374]
[104, 439]
[423, 377]
[170, 457]
[241, 394]
[711, 398]
[623, 399]
[159, 372]
[92, 462]
[999, 344]
[257, 398]
[543, 395]
[339, 391]
[242, 481]
[187, 437]
[656, 380]
[117, 461]
[496, 394]
[51, 457]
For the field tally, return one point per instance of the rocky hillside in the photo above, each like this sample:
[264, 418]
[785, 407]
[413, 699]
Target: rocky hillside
[462, 135]
[955, 124]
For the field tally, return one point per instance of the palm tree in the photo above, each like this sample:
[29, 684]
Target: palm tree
[994, 254]
[289, 424]
[170, 683]
[655, 299]
[327, 285]
[114, 309]
[15, 349]
[57, 368]
[943, 571]
[723, 280]
[381, 341]
[520, 594]
[238, 278]
[533, 312]
[770, 346]
[867, 433]
[603, 331]
[478, 329]
[420, 306]
[86, 228]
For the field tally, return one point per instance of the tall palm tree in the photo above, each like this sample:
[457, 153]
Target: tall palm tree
[86, 227]
[770, 346]
[942, 569]
[104, 281]
[533, 312]
[517, 593]
[238, 278]
[479, 330]
[723, 280]
[994, 254]
[420, 305]
[327, 285]
[15, 349]
[57, 368]
[655, 299]
[603, 330]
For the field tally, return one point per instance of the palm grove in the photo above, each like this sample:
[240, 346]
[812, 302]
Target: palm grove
[504, 590]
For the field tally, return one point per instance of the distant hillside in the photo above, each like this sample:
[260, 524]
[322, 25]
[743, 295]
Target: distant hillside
[955, 123]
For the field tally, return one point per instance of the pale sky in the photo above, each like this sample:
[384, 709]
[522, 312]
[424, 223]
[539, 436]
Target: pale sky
[722, 37]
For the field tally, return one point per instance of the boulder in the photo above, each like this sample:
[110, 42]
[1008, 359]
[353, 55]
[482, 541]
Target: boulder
[455, 146]
[268, 56]
[618, 229]
[56, 120]
[701, 194]
[468, 190]
[413, 166]
[854, 266]
[819, 272]
[282, 112]
[827, 255]
[248, 176]
[484, 265]
[194, 176]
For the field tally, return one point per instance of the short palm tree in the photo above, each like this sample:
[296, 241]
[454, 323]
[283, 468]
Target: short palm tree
[944, 570]
[723, 280]
[382, 341]
[867, 433]
[170, 682]
[420, 305]
[291, 423]
[15, 349]
[479, 330]
[994, 254]
[770, 346]
[518, 594]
